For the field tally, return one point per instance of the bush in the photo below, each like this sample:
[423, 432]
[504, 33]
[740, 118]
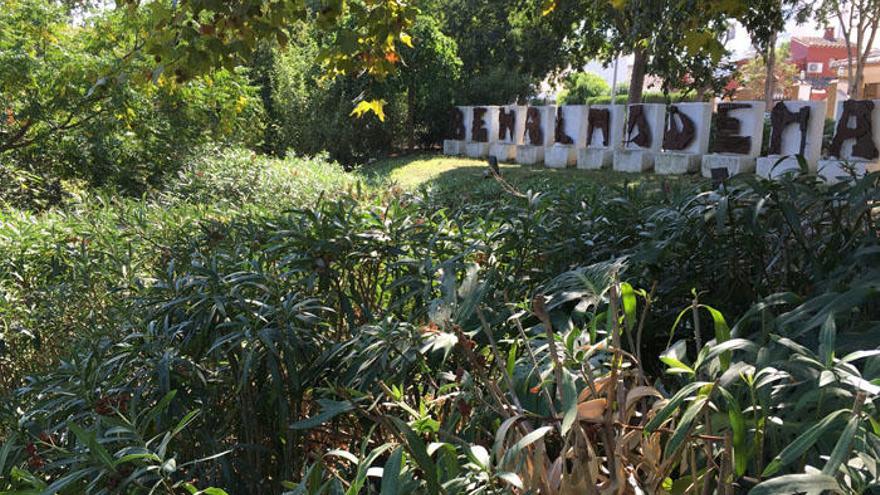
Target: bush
[311, 115]
[579, 87]
[648, 97]
[338, 335]
[241, 177]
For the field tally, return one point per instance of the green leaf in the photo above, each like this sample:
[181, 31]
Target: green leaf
[569, 400]
[391, 473]
[842, 448]
[64, 481]
[802, 443]
[673, 404]
[808, 484]
[88, 438]
[501, 434]
[480, 456]
[676, 367]
[628, 296]
[524, 442]
[722, 333]
[4, 453]
[827, 338]
[684, 425]
[725, 349]
[418, 451]
[738, 427]
[329, 410]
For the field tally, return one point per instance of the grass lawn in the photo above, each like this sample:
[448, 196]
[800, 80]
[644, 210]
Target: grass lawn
[467, 176]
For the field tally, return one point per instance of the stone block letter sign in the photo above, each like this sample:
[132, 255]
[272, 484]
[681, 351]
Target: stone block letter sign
[570, 134]
[795, 129]
[459, 133]
[484, 131]
[603, 138]
[642, 137]
[685, 138]
[853, 149]
[511, 126]
[539, 133]
[738, 137]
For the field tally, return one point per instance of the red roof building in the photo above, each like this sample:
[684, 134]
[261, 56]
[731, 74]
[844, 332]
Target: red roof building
[813, 56]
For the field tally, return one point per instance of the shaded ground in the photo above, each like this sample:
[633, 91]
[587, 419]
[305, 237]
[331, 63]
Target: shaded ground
[466, 177]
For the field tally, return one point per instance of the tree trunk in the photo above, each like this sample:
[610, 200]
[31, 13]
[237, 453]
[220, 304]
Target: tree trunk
[770, 78]
[857, 89]
[640, 65]
[410, 117]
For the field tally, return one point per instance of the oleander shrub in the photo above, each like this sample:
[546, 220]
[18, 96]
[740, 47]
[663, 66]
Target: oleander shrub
[678, 340]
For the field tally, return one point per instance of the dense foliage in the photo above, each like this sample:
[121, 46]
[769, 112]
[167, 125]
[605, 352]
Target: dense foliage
[462, 348]
[80, 105]
[579, 87]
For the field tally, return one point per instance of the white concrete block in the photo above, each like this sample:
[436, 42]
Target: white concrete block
[468, 113]
[655, 115]
[636, 158]
[847, 148]
[597, 138]
[670, 163]
[529, 155]
[574, 121]
[633, 160]
[687, 159]
[477, 150]
[594, 158]
[503, 152]
[790, 142]
[560, 156]
[453, 147]
[701, 114]
[751, 125]
[546, 119]
[834, 171]
[735, 164]
[775, 166]
[505, 136]
[484, 118]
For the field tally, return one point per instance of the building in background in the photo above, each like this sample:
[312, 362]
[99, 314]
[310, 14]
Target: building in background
[814, 56]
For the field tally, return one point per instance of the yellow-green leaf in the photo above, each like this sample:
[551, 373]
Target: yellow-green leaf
[406, 39]
[375, 106]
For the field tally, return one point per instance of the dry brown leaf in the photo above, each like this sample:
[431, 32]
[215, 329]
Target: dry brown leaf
[640, 392]
[601, 384]
[592, 410]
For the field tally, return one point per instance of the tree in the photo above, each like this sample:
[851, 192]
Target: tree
[190, 38]
[764, 20]
[506, 48]
[754, 73]
[858, 19]
[667, 38]
[429, 78]
[578, 87]
[77, 101]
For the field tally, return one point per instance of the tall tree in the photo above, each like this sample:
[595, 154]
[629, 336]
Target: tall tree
[859, 21]
[668, 38]
[753, 75]
[764, 20]
[187, 38]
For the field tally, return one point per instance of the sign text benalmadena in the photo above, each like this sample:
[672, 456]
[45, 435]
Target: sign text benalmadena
[672, 138]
